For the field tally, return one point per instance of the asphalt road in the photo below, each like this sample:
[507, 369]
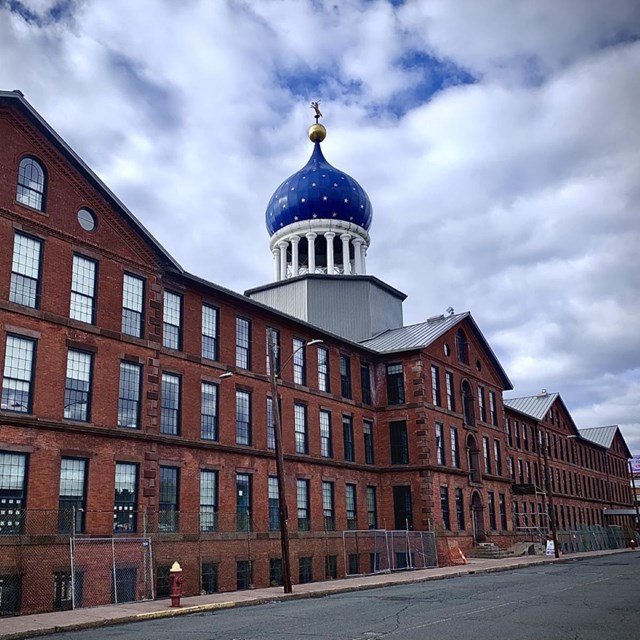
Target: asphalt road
[594, 599]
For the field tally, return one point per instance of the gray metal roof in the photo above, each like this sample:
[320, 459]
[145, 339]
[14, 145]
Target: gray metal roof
[413, 336]
[600, 435]
[418, 336]
[535, 406]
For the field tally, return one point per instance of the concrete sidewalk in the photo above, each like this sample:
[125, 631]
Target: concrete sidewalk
[45, 623]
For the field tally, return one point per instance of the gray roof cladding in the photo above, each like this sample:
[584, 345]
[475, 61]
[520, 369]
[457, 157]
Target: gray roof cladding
[16, 97]
[600, 435]
[535, 406]
[418, 336]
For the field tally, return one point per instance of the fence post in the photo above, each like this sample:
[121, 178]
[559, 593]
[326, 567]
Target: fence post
[115, 582]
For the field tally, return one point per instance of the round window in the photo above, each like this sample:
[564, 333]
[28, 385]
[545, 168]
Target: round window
[87, 219]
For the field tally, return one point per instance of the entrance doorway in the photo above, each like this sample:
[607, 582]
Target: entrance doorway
[477, 514]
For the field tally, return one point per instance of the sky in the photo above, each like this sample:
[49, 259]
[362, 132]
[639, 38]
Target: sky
[499, 143]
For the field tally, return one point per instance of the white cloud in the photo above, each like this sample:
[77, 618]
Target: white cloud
[515, 197]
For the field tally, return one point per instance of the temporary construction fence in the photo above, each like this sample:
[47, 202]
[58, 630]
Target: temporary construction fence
[110, 571]
[592, 538]
[388, 550]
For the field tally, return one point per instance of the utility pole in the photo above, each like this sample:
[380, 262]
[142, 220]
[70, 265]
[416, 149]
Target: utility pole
[547, 478]
[282, 500]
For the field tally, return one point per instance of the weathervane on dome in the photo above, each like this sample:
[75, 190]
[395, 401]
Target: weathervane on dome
[316, 107]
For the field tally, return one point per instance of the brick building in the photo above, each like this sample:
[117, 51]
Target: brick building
[137, 409]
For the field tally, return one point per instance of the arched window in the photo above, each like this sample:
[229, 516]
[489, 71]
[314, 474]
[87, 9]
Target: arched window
[462, 347]
[467, 403]
[31, 184]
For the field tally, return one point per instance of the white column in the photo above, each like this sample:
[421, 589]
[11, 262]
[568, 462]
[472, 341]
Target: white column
[364, 259]
[283, 259]
[346, 265]
[357, 255]
[329, 236]
[294, 255]
[311, 251]
[276, 264]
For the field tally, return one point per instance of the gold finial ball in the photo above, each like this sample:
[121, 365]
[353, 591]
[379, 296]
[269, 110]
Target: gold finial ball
[317, 132]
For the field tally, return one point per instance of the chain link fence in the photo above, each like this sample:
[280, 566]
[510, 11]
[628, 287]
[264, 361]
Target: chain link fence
[388, 551]
[591, 538]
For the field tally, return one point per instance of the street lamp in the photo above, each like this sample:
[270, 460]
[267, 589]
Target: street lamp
[277, 430]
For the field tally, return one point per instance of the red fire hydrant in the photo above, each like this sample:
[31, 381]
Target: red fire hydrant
[175, 579]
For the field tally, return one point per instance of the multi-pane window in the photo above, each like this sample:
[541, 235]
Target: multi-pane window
[243, 417]
[17, 379]
[435, 385]
[25, 271]
[209, 573]
[347, 434]
[503, 511]
[243, 343]
[13, 491]
[299, 361]
[300, 427]
[83, 289]
[462, 347]
[481, 404]
[323, 369]
[302, 498]
[132, 305]
[492, 408]
[331, 567]
[516, 428]
[372, 507]
[273, 339]
[325, 434]
[399, 442]
[440, 446]
[512, 471]
[367, 430]
[243, 502]
[509, 433]
[274, 504]
[491, 504]
[172, 321]
[365, 382]
[350, 499]
[271, 428]
[77, 390]
[486, 452]
[125, 501]
[244, 573]
[129, 390]
[170, 409]
[451, 398]
[73, 500]
[455, 452]
[395, 384]
[168, 505]
[444, 507]
[209, 332]
[345, 376]
[402, 507]
[460, 509]
[209, 411]
[305, 570]
[275, 572]
[31, 184]
[497, 455]
[327, 506]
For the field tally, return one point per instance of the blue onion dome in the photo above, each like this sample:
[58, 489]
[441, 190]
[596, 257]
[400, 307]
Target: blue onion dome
[318, 192]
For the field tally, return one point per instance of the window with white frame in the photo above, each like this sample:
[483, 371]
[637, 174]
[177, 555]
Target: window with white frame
[326, 448]
[25, 271]
[170, 404]
[132, 305]
[208, 411]
[172, 321]
[243, 417]
[77, 391]
[299, 361]
[300, 427]
[83, 289]
[208, 500]
[129, 392]
[323, 369]
[243, 343]
[209, 332]
[17, 381]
